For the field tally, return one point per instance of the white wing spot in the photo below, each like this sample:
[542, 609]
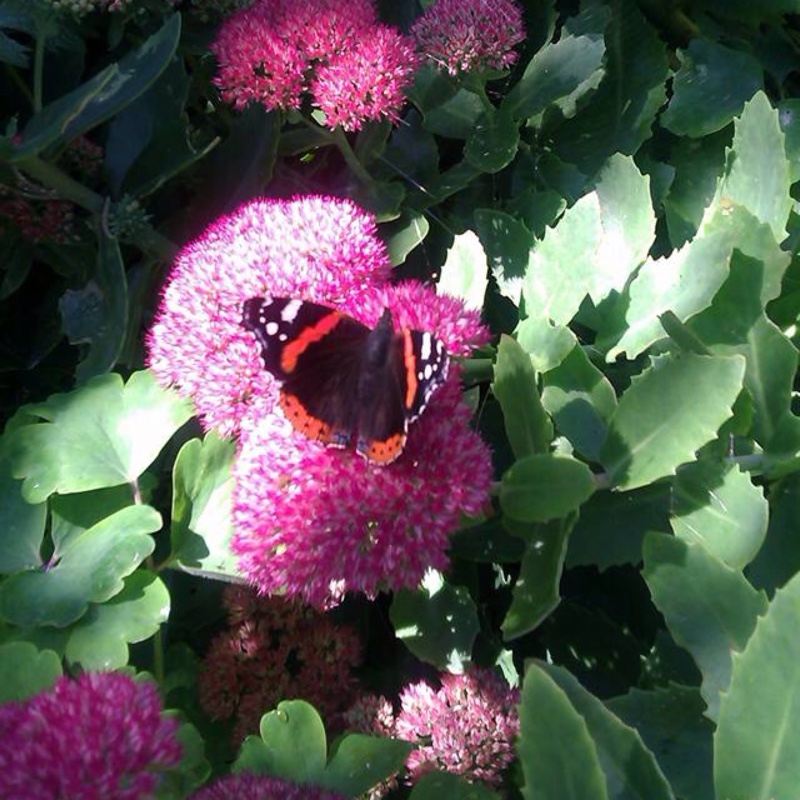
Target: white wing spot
[425, 352]
[271, 328]
[289, 311]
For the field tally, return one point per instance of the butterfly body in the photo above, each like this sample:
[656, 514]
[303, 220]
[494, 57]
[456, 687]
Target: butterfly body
[342, 381]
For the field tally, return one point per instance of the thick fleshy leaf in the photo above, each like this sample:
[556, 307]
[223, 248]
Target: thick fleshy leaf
[437, 785]
[102, 96]
[99, 641]
[670, 721]
[789, 120]
[536, 590]
[710, 88]
[103, 434]
[404, 235]
[438, 622]
[619, 115]
[493, 142]
[757, 743]
[612, 526]
[630, 768]
[757, 177]
[528, 427]
[694, 395]
[456, 116]
[21, 525]
[559, 75]
[201, 507]
[292, 745]
[506, 242]
[487, 542]
[464, 272]
[97, 314]
[710, 609]
[554, 738]
[544, 486]
[594, 247]
[718, 506]
[360, 762]
[89, 569]
[546, 344]
[581, 400]
[25, 670]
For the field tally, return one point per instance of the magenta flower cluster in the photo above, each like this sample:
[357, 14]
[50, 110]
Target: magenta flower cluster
[470, 35]
[278, 52]
[312, 522]
[98, 737]
[246, 786]
[274, 649]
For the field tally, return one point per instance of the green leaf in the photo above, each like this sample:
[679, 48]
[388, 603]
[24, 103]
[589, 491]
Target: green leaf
[789, 120]
[25, 671]
[436, 785]
[671, 723]
[546, 344]
[757, 175]
[103, 434]
[594, 247]
[536, 590]
[598, 543]
[103, 96]
[493, 142]
[559, 75]
[506, 242]
[292, 745]
[554, 739]
[438, 622]
[361, 762]
[620, 113]
[710, 609]
[542, 487]
[201, 527]
[89, 569]
[580, 400]
[455, 117]
[404, 235]
[98, 314]
[528, 427]
[464, 272]
[22, 525]
[757, 743]
[691, 395]
[630, 768]
[99, 641]
[710, 88]
[718, 506]
[487, 542]
[13, 53]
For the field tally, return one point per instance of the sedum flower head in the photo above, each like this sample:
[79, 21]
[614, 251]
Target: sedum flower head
[279, 51]
[274, 649]
[468, 35]
[245, 786]
[315, 248]
[467, 727]
[338, 523]
[98, 737]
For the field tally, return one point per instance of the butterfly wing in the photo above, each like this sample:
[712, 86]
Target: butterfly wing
[315, 351]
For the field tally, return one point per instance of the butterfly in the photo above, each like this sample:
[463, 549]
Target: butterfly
[342, 381]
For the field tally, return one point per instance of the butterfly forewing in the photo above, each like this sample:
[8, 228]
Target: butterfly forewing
[427, 363]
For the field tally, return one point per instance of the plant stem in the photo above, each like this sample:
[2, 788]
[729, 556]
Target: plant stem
[38, 71]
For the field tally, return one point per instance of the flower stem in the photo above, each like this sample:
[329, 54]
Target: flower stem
[38, 71]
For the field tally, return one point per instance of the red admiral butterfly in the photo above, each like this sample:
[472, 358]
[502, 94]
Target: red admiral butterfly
[339, 378]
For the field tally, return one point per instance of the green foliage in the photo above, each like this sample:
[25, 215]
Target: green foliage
[620, 206]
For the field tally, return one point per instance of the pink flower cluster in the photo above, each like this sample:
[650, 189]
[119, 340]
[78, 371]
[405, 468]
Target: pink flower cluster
[468, 727]
[277, 52]
[274, 649]
[245, 786]
[470, 35]
[312, 522]
[98, 737]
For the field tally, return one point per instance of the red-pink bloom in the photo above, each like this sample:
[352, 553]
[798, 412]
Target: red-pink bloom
[37, 221]
[467, 35]
[467, 727]
[276, 649]
[246, 786]
[316, 248]
[318, 522]
[366, 82]
[371, 714]
[98, 737]
[279, 51]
